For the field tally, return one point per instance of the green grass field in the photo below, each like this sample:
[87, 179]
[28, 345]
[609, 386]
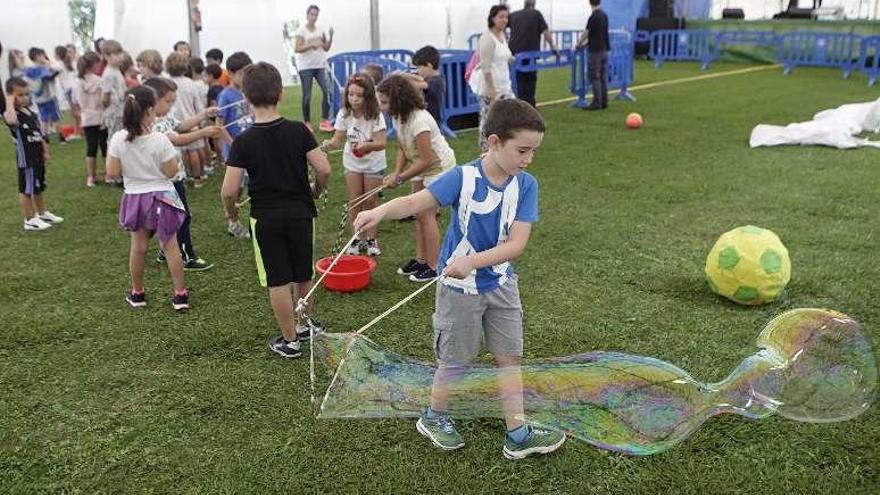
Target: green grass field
[97, 398]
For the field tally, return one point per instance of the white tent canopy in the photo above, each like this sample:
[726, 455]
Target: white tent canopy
[255, 26]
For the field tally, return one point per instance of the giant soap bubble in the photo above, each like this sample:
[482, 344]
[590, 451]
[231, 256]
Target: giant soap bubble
[813, 365]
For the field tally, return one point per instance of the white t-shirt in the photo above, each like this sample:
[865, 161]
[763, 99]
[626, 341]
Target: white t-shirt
[142, 161]
[189, 100]
[315, 58]
[417, 123]
[498, 65]
[360, 130]
[113, 82]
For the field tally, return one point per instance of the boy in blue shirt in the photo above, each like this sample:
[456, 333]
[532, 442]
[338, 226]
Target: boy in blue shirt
[494, 204]
[233, 112]
[42, 78]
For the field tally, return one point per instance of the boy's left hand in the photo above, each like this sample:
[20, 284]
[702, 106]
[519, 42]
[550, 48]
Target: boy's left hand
[46, 156]
[212, 111]
[461, 267]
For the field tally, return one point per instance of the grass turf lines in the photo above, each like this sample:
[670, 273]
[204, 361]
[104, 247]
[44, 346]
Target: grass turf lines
[96, 397]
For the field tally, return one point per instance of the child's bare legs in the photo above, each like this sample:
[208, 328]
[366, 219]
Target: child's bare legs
[175, 264]
[354, 182]
[416, 186]
[428, 237]
[140, 241]
[91, 167]
[283, 309]
[26, 204]
[194, 164]
[39, 204]
[371, 183]
[444, 379]
[510, 384]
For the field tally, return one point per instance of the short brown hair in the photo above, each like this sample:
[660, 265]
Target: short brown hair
[177, 64]
[510, 115]
[109, 47]
[261, 84]
[151, 59]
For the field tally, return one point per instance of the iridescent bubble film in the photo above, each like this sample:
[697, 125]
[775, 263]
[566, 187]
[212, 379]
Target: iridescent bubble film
[813, 365]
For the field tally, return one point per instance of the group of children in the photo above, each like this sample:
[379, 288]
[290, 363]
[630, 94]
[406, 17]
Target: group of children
[493, 202]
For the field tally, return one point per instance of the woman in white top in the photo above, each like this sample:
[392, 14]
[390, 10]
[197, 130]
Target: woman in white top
[312, 45]
[490, 80]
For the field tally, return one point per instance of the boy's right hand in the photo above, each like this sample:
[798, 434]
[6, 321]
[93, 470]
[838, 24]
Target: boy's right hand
[367, 220]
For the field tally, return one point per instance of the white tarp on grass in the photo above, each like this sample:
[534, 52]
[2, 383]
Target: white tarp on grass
[837, 128]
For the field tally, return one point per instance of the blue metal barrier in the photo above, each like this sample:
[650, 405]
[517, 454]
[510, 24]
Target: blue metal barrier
[815, 49]
[758, 38]
[620, 69]
[682, 45]
[869, 58]
[344, 65]
[459, 99]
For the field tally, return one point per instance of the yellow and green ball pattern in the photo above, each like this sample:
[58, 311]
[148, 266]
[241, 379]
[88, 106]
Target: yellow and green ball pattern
[748, 265]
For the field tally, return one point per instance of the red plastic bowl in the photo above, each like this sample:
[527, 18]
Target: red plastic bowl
[350, 274]
[67, 130]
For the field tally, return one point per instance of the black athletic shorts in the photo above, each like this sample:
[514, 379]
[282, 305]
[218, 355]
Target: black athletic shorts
[283, 250]
[32, 180]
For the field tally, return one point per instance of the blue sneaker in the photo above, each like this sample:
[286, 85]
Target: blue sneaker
[285, 348]
[538, 441]
[440, 430]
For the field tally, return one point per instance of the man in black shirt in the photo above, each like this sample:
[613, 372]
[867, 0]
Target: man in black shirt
[526, 28]
[598, 44]
[276, 154]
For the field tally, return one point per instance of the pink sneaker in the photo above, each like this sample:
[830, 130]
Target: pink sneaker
[325, 125]
[309, 127]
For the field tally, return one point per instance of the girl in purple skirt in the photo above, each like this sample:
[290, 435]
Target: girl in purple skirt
[147, 161]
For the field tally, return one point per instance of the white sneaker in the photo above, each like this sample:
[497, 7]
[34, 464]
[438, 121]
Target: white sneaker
[373, 247]
[355, 247]
[48, 216]
[36, 224]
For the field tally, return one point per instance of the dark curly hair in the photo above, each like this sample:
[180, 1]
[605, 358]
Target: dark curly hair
[402, 94]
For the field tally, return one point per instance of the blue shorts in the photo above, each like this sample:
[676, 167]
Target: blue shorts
[49, 111]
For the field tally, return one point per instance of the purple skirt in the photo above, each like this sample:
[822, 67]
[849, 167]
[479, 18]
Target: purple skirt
[160, 212]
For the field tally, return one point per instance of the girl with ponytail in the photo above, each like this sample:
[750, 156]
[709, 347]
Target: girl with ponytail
[147, 161]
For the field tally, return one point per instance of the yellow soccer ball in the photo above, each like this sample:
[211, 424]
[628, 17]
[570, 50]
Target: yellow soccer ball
[748, 265]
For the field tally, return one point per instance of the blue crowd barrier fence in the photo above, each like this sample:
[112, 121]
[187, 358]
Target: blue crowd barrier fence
[619, 68]
[344, 65]
[869, 58]
[684, 45]
[817, 49]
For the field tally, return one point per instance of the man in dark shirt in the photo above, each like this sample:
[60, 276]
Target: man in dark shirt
[598, 43]
[276, 154]
[526, 28]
